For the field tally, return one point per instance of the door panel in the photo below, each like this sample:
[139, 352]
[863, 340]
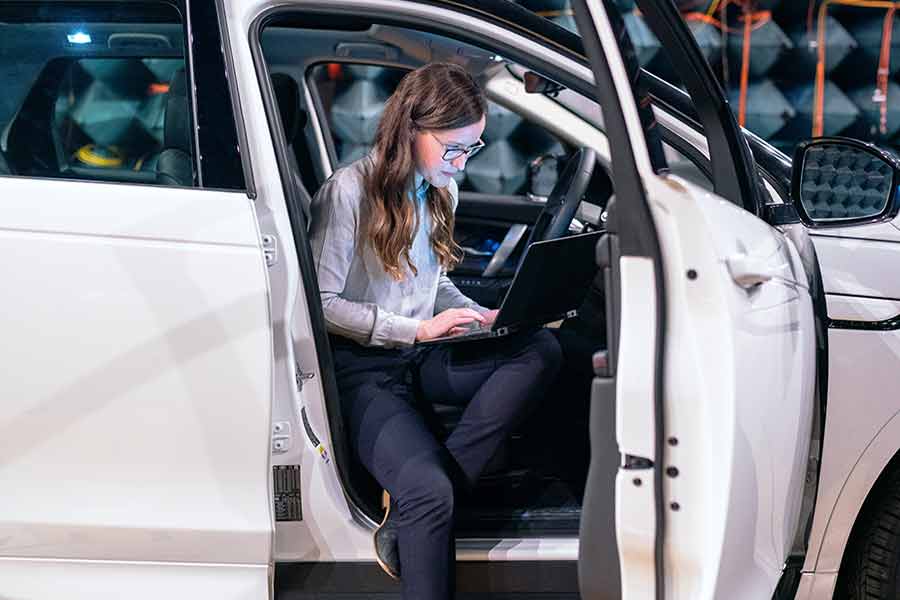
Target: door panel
[715, 432]
[739, 381]
[135, 425]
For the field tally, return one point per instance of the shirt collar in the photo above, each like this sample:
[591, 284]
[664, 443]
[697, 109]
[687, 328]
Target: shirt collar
[422, 189]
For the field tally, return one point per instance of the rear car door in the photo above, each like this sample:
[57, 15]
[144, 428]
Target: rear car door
[134, 430]
[712, 360]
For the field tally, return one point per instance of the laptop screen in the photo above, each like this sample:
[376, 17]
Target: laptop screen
[554, 278]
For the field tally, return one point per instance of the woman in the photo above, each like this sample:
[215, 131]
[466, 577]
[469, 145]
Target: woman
[382, 239]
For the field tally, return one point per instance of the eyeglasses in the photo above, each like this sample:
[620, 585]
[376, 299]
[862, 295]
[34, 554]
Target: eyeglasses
[454, 152]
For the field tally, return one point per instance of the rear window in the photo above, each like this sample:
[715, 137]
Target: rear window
[95, 91]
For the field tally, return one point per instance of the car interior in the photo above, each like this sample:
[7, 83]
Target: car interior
[332, 87]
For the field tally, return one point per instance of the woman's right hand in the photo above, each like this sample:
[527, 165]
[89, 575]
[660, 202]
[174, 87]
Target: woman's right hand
[448, 322]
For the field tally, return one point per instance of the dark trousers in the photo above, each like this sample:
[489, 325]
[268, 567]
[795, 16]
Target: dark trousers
[496, 380]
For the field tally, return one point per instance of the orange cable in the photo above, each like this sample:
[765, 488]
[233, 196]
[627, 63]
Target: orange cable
[758, 19]
[818, 126]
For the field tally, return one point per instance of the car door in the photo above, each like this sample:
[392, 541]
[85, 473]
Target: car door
[712, 361]
[134, 430]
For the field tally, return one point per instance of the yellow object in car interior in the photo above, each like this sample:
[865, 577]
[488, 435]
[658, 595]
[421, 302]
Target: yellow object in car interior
[99, 156]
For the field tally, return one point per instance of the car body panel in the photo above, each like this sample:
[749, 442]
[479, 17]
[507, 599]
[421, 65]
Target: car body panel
[858, 267]
[34, 579]
[865, 472]
[137, 391]
[861, 309]
[860, 436]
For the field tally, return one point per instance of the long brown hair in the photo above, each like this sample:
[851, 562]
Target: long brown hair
[433, 97]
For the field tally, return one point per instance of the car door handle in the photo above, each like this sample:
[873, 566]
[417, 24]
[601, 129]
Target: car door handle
[509, 243]
[748, 271]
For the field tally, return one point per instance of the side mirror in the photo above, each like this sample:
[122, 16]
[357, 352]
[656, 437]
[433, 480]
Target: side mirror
[838, 182]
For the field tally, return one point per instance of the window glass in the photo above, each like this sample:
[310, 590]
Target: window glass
[97, 92]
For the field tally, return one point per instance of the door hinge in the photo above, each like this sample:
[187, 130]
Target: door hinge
[270, 249]
[301, 376]
[281, 437]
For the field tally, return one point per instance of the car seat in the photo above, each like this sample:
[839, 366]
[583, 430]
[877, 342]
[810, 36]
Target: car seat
[174, 166]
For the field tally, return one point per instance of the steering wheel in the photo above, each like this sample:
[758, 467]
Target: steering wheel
[562, 204]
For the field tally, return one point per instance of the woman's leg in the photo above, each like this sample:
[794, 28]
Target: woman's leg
[395, 445]
[498, 380]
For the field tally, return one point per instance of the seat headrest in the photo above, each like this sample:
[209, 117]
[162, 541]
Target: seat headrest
[177, 133]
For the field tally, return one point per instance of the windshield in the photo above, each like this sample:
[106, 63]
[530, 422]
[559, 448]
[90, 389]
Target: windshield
[791, 69]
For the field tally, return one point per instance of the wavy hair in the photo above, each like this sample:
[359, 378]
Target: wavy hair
[431, 98]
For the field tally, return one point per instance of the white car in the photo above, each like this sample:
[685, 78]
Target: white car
[170, 423]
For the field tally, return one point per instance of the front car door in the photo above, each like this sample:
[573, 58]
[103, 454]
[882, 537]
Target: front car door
[712, 363]
[134, 427]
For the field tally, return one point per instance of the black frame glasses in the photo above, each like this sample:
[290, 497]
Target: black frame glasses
[454, 153]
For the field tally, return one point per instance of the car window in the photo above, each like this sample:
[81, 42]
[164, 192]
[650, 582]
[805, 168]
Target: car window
[95, 92]
[514, 161]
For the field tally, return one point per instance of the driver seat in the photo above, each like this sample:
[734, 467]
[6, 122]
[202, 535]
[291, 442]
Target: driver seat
[174, 166]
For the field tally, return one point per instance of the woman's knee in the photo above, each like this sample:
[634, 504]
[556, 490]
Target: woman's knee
[548, 351]
[428, 493]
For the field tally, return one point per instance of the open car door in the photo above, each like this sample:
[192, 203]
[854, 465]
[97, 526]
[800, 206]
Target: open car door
[711, 362]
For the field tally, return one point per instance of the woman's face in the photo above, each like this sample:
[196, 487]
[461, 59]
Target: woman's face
[431, 144]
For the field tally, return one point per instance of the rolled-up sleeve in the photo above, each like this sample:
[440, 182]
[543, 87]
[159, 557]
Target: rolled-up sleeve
[333, 237]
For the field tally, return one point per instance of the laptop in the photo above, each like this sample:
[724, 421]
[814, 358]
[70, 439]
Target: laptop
[550, 284]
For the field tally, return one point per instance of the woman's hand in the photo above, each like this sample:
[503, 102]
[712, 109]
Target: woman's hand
[490, 316]
[449, 322]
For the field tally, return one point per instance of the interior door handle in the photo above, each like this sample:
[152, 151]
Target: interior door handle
[507, 246]
[748, 271]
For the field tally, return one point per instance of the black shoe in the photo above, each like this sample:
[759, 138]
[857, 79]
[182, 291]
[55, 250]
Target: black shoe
[385, 537]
